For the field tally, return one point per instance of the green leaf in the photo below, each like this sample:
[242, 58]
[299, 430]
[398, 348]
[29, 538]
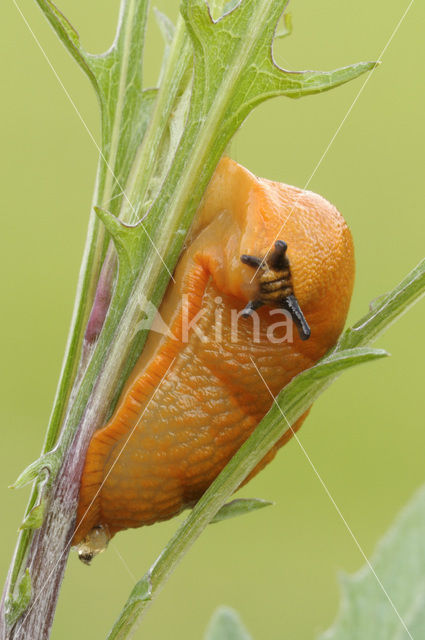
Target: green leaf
[230, 5]
[140, 596]
[309, 383]
[286, 28]
[239, 507]
[226, 57]
[399, 563]
[117, 79]
[226, 625]
[125, 107]
[386, 309]
[166, 27]
[168, 30]
[49, 463]
[126, 239]
[35, 517]
[67, 34]
[17, 604]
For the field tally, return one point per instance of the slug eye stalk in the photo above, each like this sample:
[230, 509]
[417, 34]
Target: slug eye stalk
[275, 286]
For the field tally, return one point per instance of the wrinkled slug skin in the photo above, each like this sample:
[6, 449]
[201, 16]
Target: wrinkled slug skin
[196, 401]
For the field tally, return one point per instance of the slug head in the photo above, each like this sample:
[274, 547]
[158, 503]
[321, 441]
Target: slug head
[275, 286]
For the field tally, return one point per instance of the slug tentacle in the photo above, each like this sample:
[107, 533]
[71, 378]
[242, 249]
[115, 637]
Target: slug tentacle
[278, 258]
[252, 261]
[290, 303]
[195, 396]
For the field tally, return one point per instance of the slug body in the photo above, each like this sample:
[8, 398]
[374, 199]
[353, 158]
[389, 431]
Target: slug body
[195, 395]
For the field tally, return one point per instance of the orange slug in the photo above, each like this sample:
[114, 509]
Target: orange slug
[256, 248]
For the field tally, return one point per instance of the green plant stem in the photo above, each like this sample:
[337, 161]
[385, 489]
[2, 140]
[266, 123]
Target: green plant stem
[290, 404]
[146, 159]
[89, 274]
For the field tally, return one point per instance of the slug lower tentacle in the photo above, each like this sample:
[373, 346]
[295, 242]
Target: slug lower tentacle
[195, 396]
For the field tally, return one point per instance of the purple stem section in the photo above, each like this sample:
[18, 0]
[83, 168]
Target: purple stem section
[102, 298]
[51, 544]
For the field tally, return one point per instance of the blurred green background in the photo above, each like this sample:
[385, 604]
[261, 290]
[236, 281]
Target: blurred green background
[366, 435]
